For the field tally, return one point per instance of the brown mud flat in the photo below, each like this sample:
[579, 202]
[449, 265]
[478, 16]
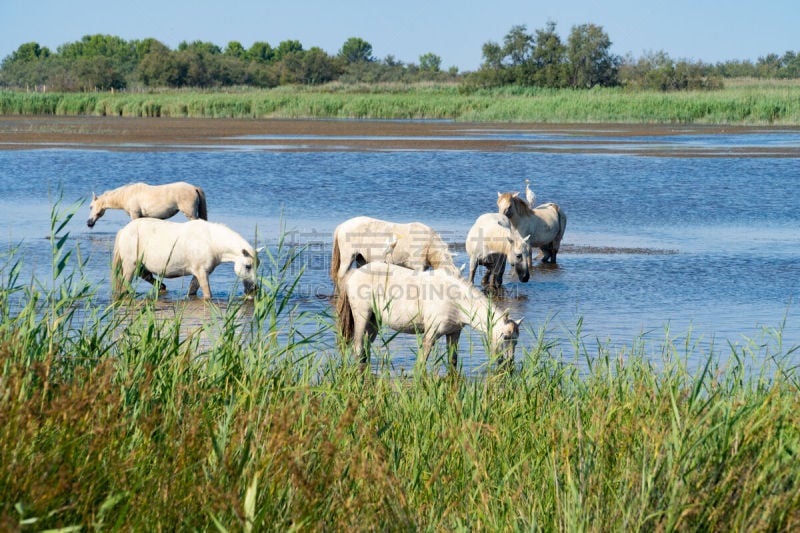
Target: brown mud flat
[171, 134]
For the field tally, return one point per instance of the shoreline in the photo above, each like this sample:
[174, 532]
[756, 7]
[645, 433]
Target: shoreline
[18, 132]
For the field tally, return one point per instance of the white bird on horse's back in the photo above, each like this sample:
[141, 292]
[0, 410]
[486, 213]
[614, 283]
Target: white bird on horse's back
[153, 247]
[543, 226]
[155, 201]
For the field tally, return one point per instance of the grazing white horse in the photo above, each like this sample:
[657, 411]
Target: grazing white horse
[543, 226]
[491, 242]
[365, 239]
[431, 303]
[155, 201]
[151, 247]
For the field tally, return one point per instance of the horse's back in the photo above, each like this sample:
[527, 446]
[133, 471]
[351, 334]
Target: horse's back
[489, 233]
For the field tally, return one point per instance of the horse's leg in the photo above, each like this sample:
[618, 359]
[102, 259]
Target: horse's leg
[498, 269]
[359, 329]
[473, 266]
[202, 279]
[452, 348]
[193, 286]
[151, 279]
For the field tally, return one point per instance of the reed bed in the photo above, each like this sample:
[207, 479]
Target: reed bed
[741, 104]
[114, 418]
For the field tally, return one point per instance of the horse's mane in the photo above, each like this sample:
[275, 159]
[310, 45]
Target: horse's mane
[521, 206]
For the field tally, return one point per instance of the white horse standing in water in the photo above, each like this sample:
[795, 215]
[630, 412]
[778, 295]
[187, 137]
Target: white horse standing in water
[543, 226]
[492, 242]
[365, 239]
[156, 201]
[153, 247]
[431, 303]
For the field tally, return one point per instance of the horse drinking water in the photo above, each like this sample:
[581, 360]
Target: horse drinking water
[431, 303]
[155, 201]
[153, 247]
[365, 239]
[491, 242]
[543, 226]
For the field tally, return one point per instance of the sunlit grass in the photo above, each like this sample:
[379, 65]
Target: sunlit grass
[118, 419]
[749, 102]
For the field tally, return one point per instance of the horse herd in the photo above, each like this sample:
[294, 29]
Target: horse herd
[405, 277]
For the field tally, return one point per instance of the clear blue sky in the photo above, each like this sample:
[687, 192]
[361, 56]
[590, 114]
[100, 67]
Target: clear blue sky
[455, 30]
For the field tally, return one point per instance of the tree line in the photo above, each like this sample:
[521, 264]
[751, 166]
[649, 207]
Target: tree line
[540, 59]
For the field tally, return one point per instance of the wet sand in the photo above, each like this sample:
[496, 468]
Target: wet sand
[170, 134]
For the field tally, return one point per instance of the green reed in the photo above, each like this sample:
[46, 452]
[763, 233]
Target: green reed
[742, 103]
[125, 418]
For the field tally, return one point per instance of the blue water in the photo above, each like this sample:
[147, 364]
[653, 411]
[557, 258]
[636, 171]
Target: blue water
[707, 247]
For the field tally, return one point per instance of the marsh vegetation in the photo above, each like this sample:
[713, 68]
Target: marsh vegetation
[119, 418]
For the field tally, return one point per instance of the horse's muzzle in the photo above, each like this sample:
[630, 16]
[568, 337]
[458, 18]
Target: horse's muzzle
[250, 288]
[90, 222]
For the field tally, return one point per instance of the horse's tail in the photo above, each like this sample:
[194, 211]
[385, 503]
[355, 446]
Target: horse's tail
[345, 320]
[336, 259]
[202, 208]
[116, 270]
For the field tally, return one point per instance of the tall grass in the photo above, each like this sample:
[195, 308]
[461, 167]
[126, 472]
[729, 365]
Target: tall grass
[742, 103]
[118, 419]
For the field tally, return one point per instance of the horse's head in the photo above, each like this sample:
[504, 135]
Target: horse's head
[245, 267]
[517, 256]
[505, 203]
[96, 210]
[505, 334]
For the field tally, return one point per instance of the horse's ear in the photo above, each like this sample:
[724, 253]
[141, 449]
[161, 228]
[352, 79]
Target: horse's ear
[519, 322]
[499, 194]
[259, 249]
[94, 196]
[528, 236]
[515, 195]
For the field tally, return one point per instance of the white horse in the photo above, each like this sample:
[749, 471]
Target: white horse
[543, 226]
[151, 247]
[155, 201]
[491, 242]
[365, 239]
[431, 303]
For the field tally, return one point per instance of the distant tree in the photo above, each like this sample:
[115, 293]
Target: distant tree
[160, 67]
[391, 61]
[261, 52]
[356, 50]
[28, 66]
[430, 62]
[319, 67]
[26, 53]
[550, 58]
[201, 47]
[590, 60]
[287, 48]
[493, 55]
[768, 66]
[518, 45]
[235, 49]
[790, 65]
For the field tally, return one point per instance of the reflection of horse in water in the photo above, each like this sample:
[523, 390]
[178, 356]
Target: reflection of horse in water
[543, 226]
[491, 242]
[432, 303]
[151, 247]
[365, 239]
[155, 201]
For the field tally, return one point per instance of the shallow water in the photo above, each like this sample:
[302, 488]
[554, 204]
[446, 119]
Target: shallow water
[707, 245]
